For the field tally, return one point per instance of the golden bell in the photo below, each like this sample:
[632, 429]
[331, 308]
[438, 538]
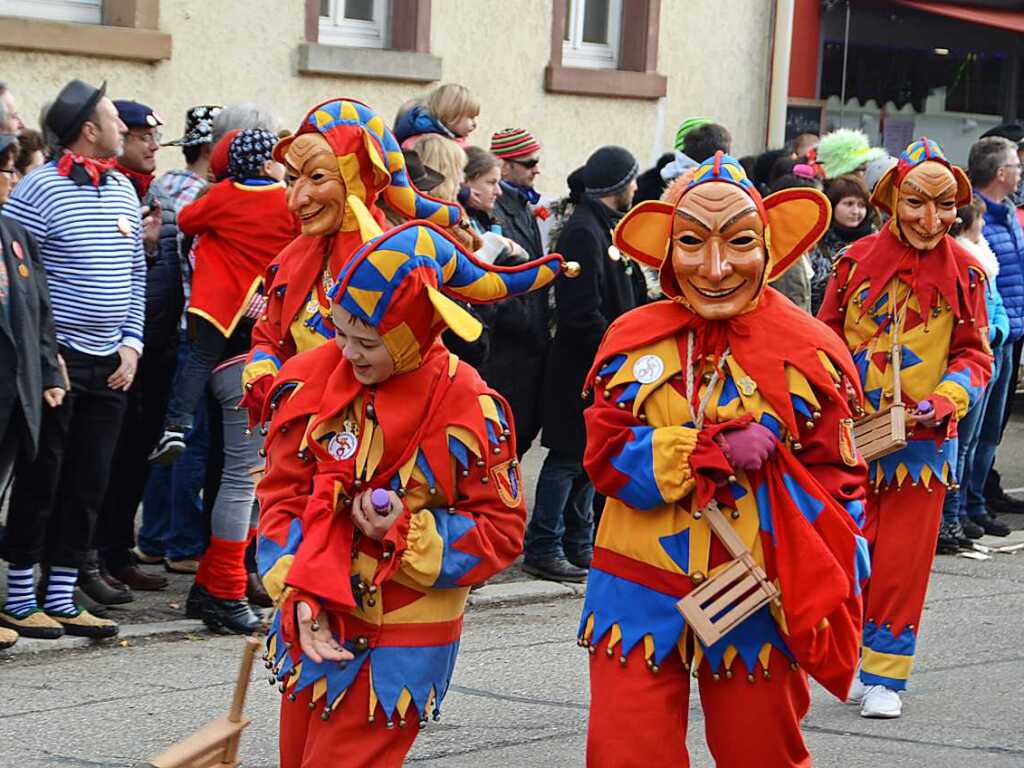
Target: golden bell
[571, 268]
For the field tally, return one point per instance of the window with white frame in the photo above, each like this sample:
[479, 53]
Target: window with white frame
[81, 11]
[359, 23]
[591, 36]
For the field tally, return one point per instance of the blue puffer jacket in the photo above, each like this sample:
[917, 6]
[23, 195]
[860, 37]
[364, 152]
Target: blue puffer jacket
[1004, 235]
[418, 120]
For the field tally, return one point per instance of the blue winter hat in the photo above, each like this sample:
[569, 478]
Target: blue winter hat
[248, 152]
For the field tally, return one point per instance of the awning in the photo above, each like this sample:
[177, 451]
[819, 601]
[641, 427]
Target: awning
[987, 17]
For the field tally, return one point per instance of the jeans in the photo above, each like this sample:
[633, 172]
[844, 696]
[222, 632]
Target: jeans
[143, 423]
[57, 497]
[234, 511]
[172, 509]
[563, 513]
[991, 430]
[968, 432]
[192, 376]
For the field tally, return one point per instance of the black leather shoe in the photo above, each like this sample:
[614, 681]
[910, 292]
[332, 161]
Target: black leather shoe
[991, 526]
[197, 599]
[230, 616]
[582, 558]
[554, 569]
[255, 593]
[92, 583]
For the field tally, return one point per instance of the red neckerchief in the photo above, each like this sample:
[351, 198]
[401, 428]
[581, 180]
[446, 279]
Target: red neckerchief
[94, 167]
[941, 273]
[754, 340]
[140, 181]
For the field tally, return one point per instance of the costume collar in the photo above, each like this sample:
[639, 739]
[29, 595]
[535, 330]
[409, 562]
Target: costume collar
[91, 170]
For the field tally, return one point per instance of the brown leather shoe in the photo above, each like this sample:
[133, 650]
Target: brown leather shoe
[181, 566]
[136, 578]
[84, 624]
[8, 637]
[255, 593]
[35, 624]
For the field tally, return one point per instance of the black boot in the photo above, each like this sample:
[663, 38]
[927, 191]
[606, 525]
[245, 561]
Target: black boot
[197, 599]
[230, 616]
[554, 568]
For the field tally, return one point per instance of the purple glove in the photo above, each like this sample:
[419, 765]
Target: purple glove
[747, 448]
[381, 501]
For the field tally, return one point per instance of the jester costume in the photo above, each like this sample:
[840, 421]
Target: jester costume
[371, 165]
[797, 514]
[436, 435]
[937, 300]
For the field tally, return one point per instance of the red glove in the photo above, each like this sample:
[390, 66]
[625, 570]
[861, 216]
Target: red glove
[255, 396]
[747, 448]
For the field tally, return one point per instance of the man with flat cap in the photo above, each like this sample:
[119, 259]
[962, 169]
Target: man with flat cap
[113, 571]
[85, 217]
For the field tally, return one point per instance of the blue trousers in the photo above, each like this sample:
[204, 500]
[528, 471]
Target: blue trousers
[563, 512]
[968, 433]
[989, 431]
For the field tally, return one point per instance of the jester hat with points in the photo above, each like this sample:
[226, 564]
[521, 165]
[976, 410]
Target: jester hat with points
[370, 161]
[399, 282]
[794, 220]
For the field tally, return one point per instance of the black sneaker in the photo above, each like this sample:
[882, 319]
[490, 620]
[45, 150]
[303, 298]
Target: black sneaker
[554, 569]
[949, 539]
[169, 447]
[230, 616]
[991, 526]
[1005, 504]
[971, 529]
[197, 599]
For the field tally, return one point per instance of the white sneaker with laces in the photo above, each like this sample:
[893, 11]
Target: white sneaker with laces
[857, 690]
[881, 702]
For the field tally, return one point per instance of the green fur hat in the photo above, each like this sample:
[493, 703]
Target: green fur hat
[845, 150]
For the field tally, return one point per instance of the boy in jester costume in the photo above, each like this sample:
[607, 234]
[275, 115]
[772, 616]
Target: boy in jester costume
[392, 487]
[342, 149]
[912, 276]
[724, 393]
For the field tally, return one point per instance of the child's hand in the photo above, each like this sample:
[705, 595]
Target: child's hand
[315, 638]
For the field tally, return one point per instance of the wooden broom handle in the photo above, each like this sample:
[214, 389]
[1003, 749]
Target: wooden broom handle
[242, 685]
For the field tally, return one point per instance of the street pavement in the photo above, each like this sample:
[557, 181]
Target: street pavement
[519, 696]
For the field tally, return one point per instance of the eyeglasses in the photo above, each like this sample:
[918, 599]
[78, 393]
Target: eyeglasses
[9, 171]
[527, 163]
[149, 136]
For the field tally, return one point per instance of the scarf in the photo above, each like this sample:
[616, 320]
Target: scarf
[531, 195]
[850, 234]
[140, 181]
[982, 254]
[94, 167]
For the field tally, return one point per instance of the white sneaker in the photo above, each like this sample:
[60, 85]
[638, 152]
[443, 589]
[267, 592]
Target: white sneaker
[857, 690]
[881, 702]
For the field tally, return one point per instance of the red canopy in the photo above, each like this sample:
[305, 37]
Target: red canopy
[1011, 20]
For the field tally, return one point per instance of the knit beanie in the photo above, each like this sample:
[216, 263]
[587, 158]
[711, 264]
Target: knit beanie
[685, 127]
[513, 142]
[248, 151]
[609, 170]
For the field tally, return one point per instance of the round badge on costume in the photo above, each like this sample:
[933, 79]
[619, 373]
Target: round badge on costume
[23, 270]
[614, 253]
[648, 369]
[18, 250]
[123, 225]
[342, 446]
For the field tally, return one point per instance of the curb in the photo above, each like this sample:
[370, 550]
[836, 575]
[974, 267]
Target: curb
[488, 596]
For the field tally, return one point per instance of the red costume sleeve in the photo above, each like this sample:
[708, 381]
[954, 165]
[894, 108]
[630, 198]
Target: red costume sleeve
[195, 218]
[271, 346]
[969, 365]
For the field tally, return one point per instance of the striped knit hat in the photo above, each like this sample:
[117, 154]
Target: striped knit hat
[513, 142]
[685, 127]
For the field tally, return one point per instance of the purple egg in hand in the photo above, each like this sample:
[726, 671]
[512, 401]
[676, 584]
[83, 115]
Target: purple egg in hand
[381, 501]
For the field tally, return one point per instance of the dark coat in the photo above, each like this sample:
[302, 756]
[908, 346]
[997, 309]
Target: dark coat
[28, 346]
[513, 213]
[584, 308]
[165, 298]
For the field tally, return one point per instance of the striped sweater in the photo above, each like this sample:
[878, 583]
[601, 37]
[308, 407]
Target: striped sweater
[90, 241]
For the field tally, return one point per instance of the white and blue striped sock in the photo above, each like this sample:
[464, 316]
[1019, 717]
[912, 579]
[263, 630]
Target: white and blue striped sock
[60, 591]
[21, 593]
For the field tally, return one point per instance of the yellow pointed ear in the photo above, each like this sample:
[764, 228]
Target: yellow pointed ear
[797, 218]
[368, 226]
[461, 323]
[644, 232]
[964, 191]
[884, 196]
